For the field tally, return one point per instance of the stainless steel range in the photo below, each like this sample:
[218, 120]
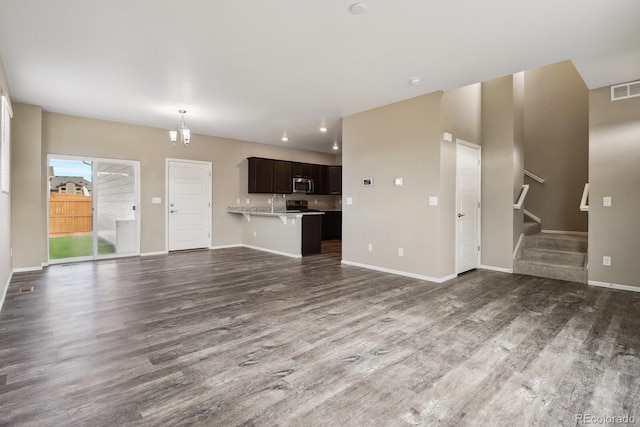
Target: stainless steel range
[299, 205]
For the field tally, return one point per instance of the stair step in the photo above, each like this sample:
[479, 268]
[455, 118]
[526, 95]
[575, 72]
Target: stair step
[554, 256]
[531, 227]
[561, 242]
[570, 273]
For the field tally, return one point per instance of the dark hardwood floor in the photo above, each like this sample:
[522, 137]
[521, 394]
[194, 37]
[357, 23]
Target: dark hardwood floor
[241, 337]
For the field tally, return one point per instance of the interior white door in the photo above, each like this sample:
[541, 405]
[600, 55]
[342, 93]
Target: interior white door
[468, 206]
[189, 203]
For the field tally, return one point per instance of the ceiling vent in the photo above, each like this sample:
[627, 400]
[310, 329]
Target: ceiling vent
[625, 90]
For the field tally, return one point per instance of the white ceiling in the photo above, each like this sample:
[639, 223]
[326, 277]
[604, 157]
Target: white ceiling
[252, 70]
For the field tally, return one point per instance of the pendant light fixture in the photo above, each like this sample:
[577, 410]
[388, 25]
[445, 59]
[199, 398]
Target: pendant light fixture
[185, 132]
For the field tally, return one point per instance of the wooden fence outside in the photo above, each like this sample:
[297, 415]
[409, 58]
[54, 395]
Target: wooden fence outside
[69, 214]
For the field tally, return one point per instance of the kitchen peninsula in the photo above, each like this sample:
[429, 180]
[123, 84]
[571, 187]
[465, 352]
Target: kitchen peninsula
[284, 232]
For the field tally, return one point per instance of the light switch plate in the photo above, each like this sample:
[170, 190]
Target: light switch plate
[606, 260]
[606, 201]
[398, 182]
[433, 201]
[349, 201]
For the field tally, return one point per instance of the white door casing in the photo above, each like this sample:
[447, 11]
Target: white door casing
[468, 162]
[188, 204]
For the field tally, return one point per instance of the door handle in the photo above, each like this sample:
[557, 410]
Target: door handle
[460, 215]
[173, 211]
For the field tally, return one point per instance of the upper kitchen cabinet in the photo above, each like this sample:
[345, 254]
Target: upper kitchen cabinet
[282, 177]
[261, 175]
[275, 176]
[269, 176]
[301, 169]
[319, 176]
[334, 180]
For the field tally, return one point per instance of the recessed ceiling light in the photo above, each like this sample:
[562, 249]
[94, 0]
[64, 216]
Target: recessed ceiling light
[415, 81]
[358, 8]
[335, 145]
[284, 138]
[323, 129]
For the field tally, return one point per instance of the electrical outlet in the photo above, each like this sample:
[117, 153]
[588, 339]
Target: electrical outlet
[315, 201]
[349, 201]
[400, 252]
[606, 260]
[254, 234]
[237, 201]
[247, 201]
[606, 201]
[269, 201]
[370, 247]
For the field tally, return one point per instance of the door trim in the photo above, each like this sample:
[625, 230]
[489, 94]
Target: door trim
[95, 256]
[166, 197]
[478, 208]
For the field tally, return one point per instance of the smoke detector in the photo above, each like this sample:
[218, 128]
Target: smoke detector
[358, 8]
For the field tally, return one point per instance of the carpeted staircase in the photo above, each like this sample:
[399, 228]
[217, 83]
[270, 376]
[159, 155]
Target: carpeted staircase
[556, 256]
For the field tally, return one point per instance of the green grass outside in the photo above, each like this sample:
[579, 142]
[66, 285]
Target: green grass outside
[76, 246]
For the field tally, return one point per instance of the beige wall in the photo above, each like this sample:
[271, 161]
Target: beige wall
[518, 153]
[557, 145]
[501, 159]
[400, 140]
[27, 178]
[271, 234]
[76, 136]
[404, 140]
[5, 217]
[614, 159]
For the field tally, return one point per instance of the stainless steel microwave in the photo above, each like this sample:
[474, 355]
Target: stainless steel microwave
[302, 185]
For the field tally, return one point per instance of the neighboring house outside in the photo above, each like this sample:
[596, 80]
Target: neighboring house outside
[70, 185]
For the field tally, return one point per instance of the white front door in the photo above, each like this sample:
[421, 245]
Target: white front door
[189, 204]
[467, 206]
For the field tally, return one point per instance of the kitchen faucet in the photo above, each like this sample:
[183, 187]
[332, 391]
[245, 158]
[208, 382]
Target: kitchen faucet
[273, 202]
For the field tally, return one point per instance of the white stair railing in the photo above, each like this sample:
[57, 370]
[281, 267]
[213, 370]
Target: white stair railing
[534, 176]
[584, 202]
[523, 194]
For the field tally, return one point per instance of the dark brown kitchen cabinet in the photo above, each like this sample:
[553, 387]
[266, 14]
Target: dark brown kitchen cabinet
[269, 176]
[261, 175]
[301, 169]
[332, 225]
[319, 176]
[274, 176]
[334, 180]
[282, 177]
[311, 234]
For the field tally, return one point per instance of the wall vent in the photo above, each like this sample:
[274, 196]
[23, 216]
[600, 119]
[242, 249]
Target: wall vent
[625, 90]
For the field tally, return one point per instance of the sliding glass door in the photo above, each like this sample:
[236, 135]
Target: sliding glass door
[93, 208]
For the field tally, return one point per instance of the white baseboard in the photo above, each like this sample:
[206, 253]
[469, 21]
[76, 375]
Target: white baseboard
[154, 253]
[273, 252]
[574, 233]
[401, 273]
[614, 286]
[520, 239]
[238, 245]
[6, 289]
[26, 269]
[500, 269]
